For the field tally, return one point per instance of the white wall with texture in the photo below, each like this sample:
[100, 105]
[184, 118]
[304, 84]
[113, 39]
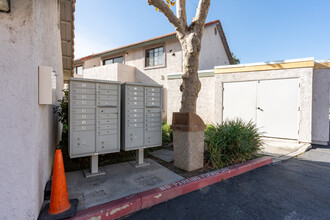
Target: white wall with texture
[30, 37]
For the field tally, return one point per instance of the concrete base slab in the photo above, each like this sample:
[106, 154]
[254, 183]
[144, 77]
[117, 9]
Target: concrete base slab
[88, 173]
[281, 150]
[136, 165]
[163, 154]
[119, 181]
[318, 155]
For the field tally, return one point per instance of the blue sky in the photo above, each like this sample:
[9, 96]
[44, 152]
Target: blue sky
[256, 30]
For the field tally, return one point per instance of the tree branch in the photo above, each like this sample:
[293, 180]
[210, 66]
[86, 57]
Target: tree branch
[201, 14]
[181, 12]
[160, 4]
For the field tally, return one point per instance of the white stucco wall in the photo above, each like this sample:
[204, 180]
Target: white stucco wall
[115, 72]
[213, 52]
[30, 37]
[321, 82]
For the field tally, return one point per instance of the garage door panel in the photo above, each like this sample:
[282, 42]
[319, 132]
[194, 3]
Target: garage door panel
[239, 100]
[277, 108]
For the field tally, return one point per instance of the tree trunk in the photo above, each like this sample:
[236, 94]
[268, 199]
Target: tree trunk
[190, 87]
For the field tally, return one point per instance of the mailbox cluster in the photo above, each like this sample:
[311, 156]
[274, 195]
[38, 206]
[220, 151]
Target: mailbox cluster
[94, 117]
[141, 116]
[101, 113]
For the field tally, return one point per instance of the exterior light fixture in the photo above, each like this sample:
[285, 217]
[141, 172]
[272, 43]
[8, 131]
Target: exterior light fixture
[5, 6]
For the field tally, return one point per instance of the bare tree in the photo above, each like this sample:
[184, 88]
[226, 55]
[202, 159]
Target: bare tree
[190, 38]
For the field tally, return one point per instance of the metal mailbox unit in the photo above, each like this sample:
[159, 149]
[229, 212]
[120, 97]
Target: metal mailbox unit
[94, 119]
[141, 118]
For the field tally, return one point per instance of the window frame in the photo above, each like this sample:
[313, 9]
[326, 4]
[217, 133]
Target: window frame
[112, 58]
[152, 48]
[75, 72]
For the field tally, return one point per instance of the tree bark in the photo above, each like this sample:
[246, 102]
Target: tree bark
[190, 38]
[190, 87]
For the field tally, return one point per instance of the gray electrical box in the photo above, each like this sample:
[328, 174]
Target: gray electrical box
[94, 117]
[141, 116]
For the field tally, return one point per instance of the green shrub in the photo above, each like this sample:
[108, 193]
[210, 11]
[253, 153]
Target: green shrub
[63, 116]
[235, 141]
[167, 134]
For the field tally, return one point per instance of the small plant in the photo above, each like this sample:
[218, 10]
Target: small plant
[62, 111]
[235, 141]
[167, 134]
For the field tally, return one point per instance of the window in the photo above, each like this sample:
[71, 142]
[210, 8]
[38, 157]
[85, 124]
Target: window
[114, 60]
[78, 70]
[154, 57]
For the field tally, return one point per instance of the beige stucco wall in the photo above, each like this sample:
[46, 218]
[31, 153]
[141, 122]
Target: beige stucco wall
[321, 82]
[205, 100]
[30, 37]
[157, 75]
[90, 63]
[313, 98]
[213, 52]
[114, 72]
[305, 76]
[126, 73]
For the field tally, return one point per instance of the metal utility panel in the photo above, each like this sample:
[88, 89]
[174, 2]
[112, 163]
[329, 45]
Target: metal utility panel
[141, 116]
[94, 117]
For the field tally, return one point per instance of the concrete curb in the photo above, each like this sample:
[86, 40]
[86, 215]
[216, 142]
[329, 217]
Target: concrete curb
[127, 205]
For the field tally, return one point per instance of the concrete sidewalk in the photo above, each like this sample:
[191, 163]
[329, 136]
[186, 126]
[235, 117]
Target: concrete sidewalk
[120, 180]
[281, 150]
[133, 203]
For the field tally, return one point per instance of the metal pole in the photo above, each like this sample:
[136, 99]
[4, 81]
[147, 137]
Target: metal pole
[139, 162]
[140, 156]
[94, 164]
[94, 170]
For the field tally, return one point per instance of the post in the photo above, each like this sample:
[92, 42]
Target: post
[140, 156]
[139, 162]
[94, 164]
[94, 170]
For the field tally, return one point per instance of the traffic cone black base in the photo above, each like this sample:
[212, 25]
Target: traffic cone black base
[44, 215]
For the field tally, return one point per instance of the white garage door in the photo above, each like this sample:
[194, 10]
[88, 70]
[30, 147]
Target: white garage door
[271, 104]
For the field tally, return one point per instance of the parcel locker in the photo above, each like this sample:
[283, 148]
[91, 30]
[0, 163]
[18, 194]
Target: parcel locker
[94, 117]
[141, 116]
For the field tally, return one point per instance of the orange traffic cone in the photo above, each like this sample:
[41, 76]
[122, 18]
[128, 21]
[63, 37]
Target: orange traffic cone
[59, 206]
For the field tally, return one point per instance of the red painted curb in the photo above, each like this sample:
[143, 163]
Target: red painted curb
[111, 210]
[127, 205]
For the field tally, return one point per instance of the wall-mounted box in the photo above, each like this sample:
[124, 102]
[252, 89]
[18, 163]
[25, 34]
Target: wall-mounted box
[141, 116]
[45, 85]
[94, 117]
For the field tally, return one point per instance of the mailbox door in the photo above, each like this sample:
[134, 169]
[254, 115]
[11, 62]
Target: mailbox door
[83, 143]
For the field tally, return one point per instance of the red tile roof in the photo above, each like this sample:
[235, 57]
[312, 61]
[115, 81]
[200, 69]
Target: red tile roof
[216, 22]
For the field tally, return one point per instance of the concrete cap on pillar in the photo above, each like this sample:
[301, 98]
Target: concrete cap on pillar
[187, 121]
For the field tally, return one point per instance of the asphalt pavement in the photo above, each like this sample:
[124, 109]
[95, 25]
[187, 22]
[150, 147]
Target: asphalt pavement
[298, 188]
